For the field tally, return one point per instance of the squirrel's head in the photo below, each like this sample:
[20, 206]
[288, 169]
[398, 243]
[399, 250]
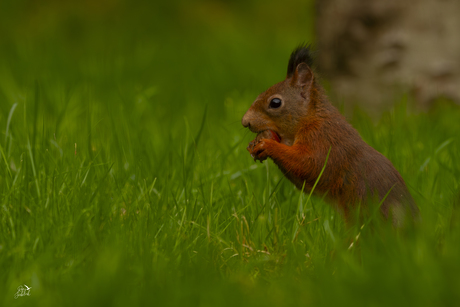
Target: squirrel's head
[285, 104]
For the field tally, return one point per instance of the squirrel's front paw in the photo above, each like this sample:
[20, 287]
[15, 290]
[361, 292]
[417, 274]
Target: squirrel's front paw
[251, 145]
[259, 150]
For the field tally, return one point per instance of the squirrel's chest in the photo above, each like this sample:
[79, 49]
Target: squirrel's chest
[296, 180]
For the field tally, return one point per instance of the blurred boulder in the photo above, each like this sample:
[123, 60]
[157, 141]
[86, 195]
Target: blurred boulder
[373, 50]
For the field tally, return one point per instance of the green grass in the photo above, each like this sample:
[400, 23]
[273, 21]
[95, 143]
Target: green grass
[125, 181]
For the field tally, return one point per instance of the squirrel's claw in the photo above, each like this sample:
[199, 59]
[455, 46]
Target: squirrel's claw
[259, 151]
[251, 145]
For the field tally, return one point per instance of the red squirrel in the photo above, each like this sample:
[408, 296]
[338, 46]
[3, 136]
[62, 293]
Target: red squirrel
[297, 127]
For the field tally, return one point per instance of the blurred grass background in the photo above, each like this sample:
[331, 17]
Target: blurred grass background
[124, 177]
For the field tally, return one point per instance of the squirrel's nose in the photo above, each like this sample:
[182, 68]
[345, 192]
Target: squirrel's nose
[245, 121]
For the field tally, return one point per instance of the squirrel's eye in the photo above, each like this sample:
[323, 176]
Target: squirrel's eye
[275, 103]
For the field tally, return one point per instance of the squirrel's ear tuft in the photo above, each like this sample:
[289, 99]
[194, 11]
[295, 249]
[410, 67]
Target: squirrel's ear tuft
[303, 75]
[301, 54]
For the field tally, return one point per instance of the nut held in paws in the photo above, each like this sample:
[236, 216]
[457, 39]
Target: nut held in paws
[267, 134]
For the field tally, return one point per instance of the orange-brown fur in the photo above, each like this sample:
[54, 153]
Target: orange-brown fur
[309, 126]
